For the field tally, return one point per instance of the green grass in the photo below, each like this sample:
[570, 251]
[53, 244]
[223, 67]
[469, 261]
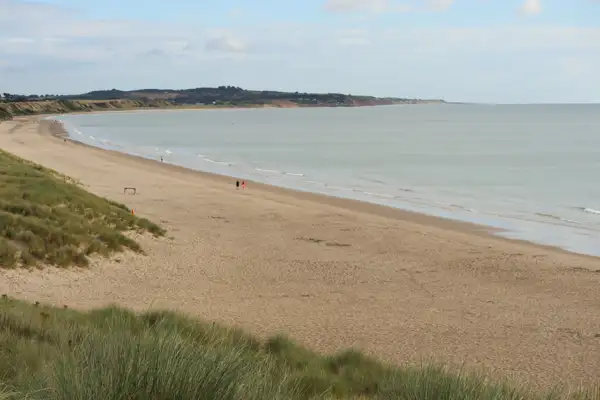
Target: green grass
[113, 353]
[47, 218]
[4, 115]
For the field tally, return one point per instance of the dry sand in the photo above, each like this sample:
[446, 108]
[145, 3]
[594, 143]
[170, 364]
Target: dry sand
[331, 273]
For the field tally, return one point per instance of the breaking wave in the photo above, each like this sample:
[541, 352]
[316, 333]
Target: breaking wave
[590, 210]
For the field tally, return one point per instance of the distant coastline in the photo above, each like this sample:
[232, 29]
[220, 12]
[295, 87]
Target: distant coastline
[14, 105]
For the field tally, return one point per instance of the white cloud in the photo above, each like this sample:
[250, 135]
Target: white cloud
[439, 5]
[227, 44]
[18, 40]
[531, 7]
[352, 37]
[71, 53]
[387, 6]
[342, 6]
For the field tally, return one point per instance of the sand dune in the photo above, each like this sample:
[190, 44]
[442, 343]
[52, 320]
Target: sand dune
[331, 273]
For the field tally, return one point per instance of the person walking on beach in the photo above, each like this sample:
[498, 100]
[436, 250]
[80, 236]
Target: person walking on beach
[243, 185]
[237, 185]
[161, 159]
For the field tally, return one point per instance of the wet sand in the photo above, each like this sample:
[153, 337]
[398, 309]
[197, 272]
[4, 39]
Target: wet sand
[331, 273]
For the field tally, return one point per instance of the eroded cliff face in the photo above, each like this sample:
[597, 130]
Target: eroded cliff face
[9, 110]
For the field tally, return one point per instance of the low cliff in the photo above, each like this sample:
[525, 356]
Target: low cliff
[8, 110]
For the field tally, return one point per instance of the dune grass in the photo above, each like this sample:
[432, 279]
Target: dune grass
[47, 218]
[113, 353]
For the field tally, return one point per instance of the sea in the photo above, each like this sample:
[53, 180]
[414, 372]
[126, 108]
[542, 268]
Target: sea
[530, 171]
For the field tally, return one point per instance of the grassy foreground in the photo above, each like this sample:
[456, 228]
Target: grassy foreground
[47, 218]
[112, 353]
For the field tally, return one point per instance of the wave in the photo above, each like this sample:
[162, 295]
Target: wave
[217, 162]
[103, 141]
[462, 208]
[69, 128]
[277, 172]
[66, 126]
[590, 210]
[556, 217]
[338, 188]
[271, 171]
[373, 180]
[383, 196]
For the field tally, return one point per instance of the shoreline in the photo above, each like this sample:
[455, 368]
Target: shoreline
[58, 130]
[215, 108]
[185, 107]
[331, 273]
[424, 217]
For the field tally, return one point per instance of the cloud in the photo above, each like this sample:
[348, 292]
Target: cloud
[47, 48]
[385, 6]
[153, 54]
[35, 10]
[352, 37]
[345, 6]
[531, 7]
[439, 5]
[18, 40]
[227, 44]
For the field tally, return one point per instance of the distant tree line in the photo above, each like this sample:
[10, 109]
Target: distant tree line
[221, 95]
[218, 95]
[10, 97]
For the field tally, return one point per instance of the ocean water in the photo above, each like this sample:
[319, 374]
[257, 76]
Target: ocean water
[530, 170]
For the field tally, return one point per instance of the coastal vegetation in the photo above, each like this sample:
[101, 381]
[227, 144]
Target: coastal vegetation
[232, 95]
[12, 105]
[112, 353]
[47, 218]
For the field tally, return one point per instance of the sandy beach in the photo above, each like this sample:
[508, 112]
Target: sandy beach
[331, 273]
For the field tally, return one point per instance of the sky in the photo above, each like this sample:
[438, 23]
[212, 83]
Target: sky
[491, 51]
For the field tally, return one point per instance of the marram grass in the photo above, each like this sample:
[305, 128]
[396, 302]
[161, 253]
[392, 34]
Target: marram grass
[115, 354]
[46, 218]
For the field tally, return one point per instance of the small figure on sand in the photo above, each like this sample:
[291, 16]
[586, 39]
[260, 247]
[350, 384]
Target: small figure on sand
[237, 185]
[161, 159]
[243, 185]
